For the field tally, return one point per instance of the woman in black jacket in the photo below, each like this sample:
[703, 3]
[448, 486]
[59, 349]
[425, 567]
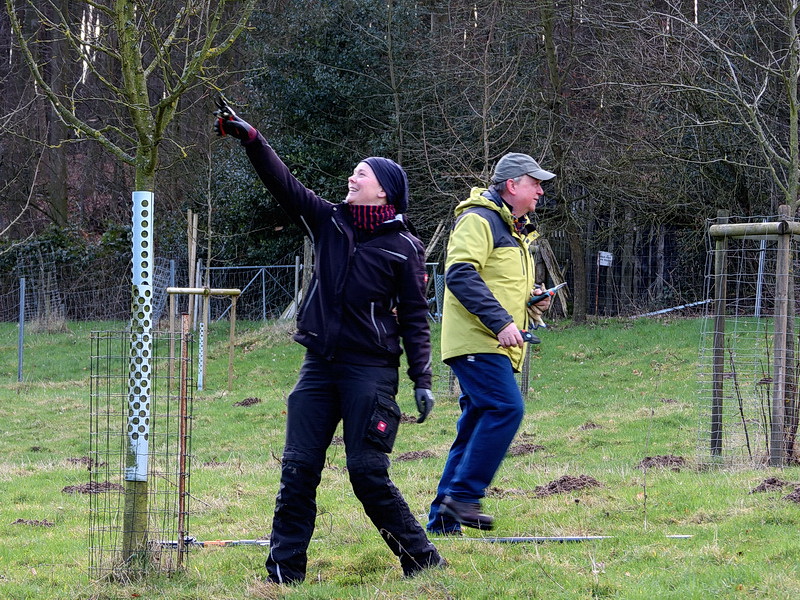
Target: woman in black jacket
[367, 293]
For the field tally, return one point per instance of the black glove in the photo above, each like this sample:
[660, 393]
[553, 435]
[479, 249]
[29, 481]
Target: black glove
[227, 123]
[425, 402]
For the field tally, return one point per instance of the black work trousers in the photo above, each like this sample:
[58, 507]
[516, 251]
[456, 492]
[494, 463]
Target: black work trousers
[362, 398]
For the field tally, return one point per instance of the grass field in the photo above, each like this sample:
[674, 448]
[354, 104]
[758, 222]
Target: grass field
[603, 397]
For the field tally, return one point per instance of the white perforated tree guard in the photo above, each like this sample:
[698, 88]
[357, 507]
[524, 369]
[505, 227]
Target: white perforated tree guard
[138, 426]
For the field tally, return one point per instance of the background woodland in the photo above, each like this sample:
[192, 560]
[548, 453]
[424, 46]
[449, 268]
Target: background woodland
[654, 115]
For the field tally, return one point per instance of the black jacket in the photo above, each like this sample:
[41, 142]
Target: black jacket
[367, 291]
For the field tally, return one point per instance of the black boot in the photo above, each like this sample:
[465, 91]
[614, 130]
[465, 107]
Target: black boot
[467, 513]
[413, 565]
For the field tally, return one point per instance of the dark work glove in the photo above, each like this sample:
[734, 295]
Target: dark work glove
[227, 123]
[425, 403]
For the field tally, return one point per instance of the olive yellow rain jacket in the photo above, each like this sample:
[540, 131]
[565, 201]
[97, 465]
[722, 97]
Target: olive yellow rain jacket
[489, 275]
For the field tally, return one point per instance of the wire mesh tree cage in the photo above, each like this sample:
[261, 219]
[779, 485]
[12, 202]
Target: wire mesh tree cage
[748, 366]
[158, 517]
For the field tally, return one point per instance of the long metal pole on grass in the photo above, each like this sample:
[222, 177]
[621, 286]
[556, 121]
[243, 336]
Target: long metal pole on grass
[190, 541]
[489, 540]
[535, 539]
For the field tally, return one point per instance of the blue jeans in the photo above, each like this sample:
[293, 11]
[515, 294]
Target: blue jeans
[491, 412]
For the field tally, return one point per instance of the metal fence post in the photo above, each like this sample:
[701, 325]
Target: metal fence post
[263, 294]
[21, 334]
[296, 284]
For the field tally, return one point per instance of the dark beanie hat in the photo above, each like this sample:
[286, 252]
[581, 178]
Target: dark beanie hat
[393, 180]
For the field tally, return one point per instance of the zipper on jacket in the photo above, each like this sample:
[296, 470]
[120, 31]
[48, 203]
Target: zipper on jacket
[524, 265]
[310, 294]
[333, 219]
[374, 322]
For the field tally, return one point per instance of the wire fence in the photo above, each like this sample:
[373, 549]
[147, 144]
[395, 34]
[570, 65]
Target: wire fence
[49, 291]
[735, 414]
[625, 272]
[49, 294]
[267, 291]
[634, 272]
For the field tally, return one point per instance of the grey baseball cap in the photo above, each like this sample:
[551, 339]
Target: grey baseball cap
[515, 164]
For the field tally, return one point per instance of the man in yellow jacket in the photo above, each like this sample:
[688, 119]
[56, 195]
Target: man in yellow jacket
[489, 278]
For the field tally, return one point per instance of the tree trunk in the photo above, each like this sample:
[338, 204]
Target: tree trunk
[56, 155]
[578, 258]
[627, 263]
[574, 233]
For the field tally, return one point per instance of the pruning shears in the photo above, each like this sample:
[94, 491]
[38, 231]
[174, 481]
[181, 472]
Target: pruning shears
[527, 336]
[548, 293]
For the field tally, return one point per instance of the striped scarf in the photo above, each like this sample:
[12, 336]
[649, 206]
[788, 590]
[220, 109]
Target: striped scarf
[367, 217]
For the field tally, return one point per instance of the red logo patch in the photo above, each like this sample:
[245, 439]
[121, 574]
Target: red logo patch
[381, 426]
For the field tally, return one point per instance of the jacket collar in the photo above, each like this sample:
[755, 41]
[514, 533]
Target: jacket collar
[496, 198]
[522, 224]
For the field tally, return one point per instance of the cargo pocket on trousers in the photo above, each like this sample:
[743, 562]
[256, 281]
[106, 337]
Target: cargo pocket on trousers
[384, 423]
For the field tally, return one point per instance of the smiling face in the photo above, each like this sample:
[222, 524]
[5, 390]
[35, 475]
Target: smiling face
[363, 187]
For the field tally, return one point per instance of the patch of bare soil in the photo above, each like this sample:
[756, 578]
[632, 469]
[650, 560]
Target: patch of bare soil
[566, 483]
[247, 402]
[337, 441]
[418, 455]
[522, 449]
[93, 488]
[404, 418]
[794, 496]
[214, 463]
[590, 425]
[770, 484]
[668, 400]
[666, 461]
[34, 522]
